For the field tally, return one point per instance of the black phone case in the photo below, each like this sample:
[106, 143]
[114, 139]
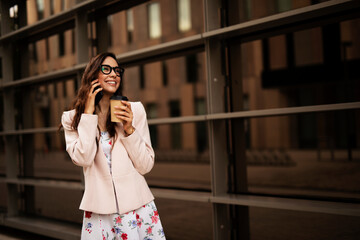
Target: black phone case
[98, 96]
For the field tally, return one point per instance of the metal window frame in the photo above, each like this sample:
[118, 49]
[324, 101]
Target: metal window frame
[219, 116]
[271, 25]
[307, 17]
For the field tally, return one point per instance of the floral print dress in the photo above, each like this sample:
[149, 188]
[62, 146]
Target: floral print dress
[143, 223]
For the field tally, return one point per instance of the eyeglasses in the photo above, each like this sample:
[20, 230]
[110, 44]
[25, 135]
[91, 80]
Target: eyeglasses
[106, 69]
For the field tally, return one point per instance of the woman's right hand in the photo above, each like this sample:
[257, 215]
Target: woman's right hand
[90, 102]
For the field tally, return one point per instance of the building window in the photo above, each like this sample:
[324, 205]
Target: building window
[201, 130]
[184, 15]
[61, 44]
[13, 13]
[64, 89]
[130, 25]
[176, 136]
[164, 73]
[62, 5]
[151, 110]
[33, 52]
[72, 40]
[110, 24]
[52, 8]
[55, 89]
[40, 9]
[191, 68]
[142, 76]
[154, 20]
[47, 49]
[284, 5]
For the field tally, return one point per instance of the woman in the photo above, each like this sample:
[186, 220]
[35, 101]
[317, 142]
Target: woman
[117, 201]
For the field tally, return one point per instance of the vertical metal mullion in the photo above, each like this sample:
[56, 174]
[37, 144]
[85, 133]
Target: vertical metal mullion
[217, 129]
[240, 214]
[9, 111]
[27, 145]
[82, 48]
[102, 33]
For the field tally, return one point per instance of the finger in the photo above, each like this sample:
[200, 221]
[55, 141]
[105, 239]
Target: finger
[93, 87]
[97, 90]
[120, 107]
[123, 108]
[123, 113]
[128, 104]
[126, 119]
[94, 81]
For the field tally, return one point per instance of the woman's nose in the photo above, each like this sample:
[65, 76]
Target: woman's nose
[112, 73]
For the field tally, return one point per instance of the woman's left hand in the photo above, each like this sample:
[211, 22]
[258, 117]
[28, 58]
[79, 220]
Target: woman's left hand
[125, 114]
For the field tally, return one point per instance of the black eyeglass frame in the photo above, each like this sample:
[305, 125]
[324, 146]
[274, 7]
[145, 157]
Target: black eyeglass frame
[112, 69]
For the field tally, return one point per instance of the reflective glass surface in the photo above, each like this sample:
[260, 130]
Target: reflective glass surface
[185, 219]
[41, 106]
[310, 67]
[174, 88]
[254, 9]
[51, 160]
[296, 155]
[50, 54]
[59, 203]
[3, 195]
[165, 21]
[267, 223]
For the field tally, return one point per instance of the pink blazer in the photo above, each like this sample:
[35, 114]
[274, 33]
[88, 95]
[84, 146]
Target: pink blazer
[131, 158]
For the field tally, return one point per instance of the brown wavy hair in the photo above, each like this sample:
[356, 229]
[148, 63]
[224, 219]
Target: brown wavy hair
[92, 72]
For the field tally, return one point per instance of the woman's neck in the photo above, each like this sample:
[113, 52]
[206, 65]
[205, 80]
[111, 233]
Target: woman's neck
[105, 103]
[104, 106]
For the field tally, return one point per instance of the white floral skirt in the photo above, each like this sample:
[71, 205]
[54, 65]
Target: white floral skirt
[143, 223]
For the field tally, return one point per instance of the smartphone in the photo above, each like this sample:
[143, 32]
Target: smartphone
[98, 96]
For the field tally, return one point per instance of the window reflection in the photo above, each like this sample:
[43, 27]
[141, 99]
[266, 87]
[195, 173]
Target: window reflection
[61, 39]
[50, 158]
[184, 15]
[13, 11]
[110, 23]
[180, 162]
[303, 68]
[152, 113]
[180, 79]
[145, 25]
[154, 20]
[173, 88]
[254, 9]
[294, 155]
[47, 102]
[267, 223]
[52, 7]
[14, 17]
[52, 53]
[40, 9]
[176, 134]
[130, 25]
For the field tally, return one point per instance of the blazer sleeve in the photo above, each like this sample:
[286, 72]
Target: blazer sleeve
[80, 143]
[138, 144]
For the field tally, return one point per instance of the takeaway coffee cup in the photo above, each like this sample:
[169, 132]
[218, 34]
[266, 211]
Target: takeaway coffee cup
[115, 100]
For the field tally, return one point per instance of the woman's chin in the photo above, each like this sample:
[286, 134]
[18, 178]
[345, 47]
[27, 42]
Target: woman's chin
[110, 90]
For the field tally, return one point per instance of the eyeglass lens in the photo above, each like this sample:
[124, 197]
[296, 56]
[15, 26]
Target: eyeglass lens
[106, 69]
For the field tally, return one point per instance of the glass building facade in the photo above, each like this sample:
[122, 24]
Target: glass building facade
[253, 109]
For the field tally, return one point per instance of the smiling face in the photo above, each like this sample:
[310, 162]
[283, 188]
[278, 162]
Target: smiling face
[111, 82]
